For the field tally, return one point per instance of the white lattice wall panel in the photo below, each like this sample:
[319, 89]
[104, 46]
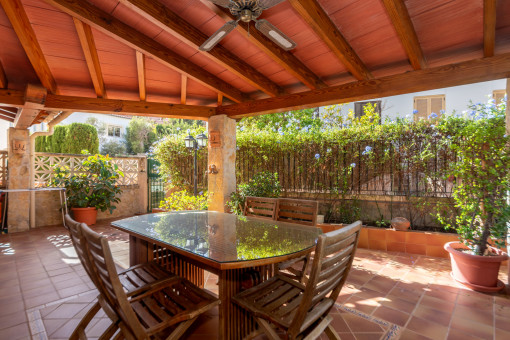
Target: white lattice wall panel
[3, 169]
[45, 163]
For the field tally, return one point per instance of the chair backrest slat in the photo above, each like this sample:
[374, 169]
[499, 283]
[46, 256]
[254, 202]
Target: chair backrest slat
[297, 211]
[333, 258]
[106, 275]
[263, 207]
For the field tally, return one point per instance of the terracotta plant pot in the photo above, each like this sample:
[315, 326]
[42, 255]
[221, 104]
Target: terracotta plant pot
[85, 215]
[479, 273]
[400, 223]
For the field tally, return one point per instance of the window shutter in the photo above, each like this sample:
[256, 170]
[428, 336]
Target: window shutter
[436, 105]
[421, 105]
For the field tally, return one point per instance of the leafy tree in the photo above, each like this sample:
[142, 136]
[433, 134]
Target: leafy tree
[80, 137]
[101, 128]
[140, 135]
[113, 148]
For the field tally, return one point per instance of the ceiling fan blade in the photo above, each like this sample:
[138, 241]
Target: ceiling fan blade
[218, 35]
[265, 4]
[275, 34]
[222, 3]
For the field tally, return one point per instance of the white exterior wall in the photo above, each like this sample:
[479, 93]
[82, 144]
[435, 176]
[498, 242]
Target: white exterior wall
[4, 126]
[81, 117]
[456, 99]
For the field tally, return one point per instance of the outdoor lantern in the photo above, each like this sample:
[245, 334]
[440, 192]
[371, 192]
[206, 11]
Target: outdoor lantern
[202, 140]
[189, 141]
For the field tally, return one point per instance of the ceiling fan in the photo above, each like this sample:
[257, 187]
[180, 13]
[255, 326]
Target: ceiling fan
[246, 11]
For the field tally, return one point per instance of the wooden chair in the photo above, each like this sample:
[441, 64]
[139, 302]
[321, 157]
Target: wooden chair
[297, 211]
[298, 310]
[262, 207]
[170, 306]
[134, 280]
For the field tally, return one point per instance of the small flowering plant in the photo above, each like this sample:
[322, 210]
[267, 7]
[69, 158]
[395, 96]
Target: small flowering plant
[482, 167]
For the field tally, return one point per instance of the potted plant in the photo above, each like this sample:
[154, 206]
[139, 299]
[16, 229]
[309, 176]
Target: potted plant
[480, 196]
[93, 188]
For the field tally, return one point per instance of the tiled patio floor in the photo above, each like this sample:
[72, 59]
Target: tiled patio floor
[44, 292]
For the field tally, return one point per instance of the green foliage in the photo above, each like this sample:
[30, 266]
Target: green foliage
[79, 137]
[58, 139]
[483, 179]
[263, 184]
[69, 139]
[140, 135]
[113, 148]
[182, 200]
[94, 187]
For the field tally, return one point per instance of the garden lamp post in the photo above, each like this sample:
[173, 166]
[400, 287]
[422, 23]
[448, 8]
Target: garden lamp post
[195, 144]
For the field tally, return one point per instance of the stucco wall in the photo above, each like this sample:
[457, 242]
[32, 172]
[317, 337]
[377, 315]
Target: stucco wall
[48, 205]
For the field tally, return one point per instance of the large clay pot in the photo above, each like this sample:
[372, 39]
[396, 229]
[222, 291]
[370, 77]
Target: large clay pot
[85, 215]
[479, 273]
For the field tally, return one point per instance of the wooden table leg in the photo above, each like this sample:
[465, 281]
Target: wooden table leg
[138, 251]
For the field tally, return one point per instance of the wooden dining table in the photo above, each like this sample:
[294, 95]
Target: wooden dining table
[236, 248]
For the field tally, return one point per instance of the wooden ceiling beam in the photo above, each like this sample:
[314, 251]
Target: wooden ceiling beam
[284, 58]
[11, 98]
[401, 20]
[312, 12]
[184, 89]
[26, 35]
[174, 24]
[9, 110]
[220, 99]
[3, 77]
[122, 32]
[88, 46]
[40, 117]
[6, 117]
[467, 72]
[489, 27]
[140, 67]
[35, 96]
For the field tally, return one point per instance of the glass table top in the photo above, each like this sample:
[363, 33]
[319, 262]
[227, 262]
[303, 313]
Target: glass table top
[222, 237]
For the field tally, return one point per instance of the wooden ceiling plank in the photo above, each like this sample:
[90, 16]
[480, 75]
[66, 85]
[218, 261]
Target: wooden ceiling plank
[120, 31]
[127, 107]
[184, 88]
[7, 114]
[26, 35]
[88, 46]
[140, 67]
[9, 110]
[489, 27]
[173, 23]
[3, 77]
[40, 117]
[401, 20]
[468, 72]
[284, 58]
[35, 96]
[312, 12]
[7, 118]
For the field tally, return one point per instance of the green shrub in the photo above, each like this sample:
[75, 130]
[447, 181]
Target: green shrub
[182, 200]
[58, 139]
[80, 137]
[263, 184]
[113, 148]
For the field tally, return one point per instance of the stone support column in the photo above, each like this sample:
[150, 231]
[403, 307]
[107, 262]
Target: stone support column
[19, 178]
[222, 154]
[142, 184]
[507, 109]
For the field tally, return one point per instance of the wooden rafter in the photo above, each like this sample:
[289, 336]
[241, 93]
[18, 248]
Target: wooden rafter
[401, 20]
[173, 23]
[184, 89]
[26, 35]
[489, 27]
[319, 21]
[40, 117]
[284, 58]
[120, 31]
[6, 117]
[3, 77]
[220, 99]
[9, 110]
[88, 46]
[467, 72]
[140, 67]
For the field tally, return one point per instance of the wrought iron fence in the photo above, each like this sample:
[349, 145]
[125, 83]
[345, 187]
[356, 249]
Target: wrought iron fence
[390, 168]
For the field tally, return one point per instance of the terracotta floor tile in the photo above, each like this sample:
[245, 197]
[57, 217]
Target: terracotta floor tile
[438, 304]
[469, 313]
[368, 336]
[74, 290]
[471, 327]
[13, 319]
[398, 304]
[410, 335]
[501, 335]
[41, 300]
[357, 324]
[502, 322]
[455, 334]
[381, 284]
[427, 328]
[339, 323]
[20, 331]
[391, 315]
[432, 314]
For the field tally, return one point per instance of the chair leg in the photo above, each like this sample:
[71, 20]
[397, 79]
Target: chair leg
[331, 333]
[179, 330]
[266, 327]
[321, 327]
[79, 331]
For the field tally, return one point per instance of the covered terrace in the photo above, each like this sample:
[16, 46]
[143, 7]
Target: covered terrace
[142, 58]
